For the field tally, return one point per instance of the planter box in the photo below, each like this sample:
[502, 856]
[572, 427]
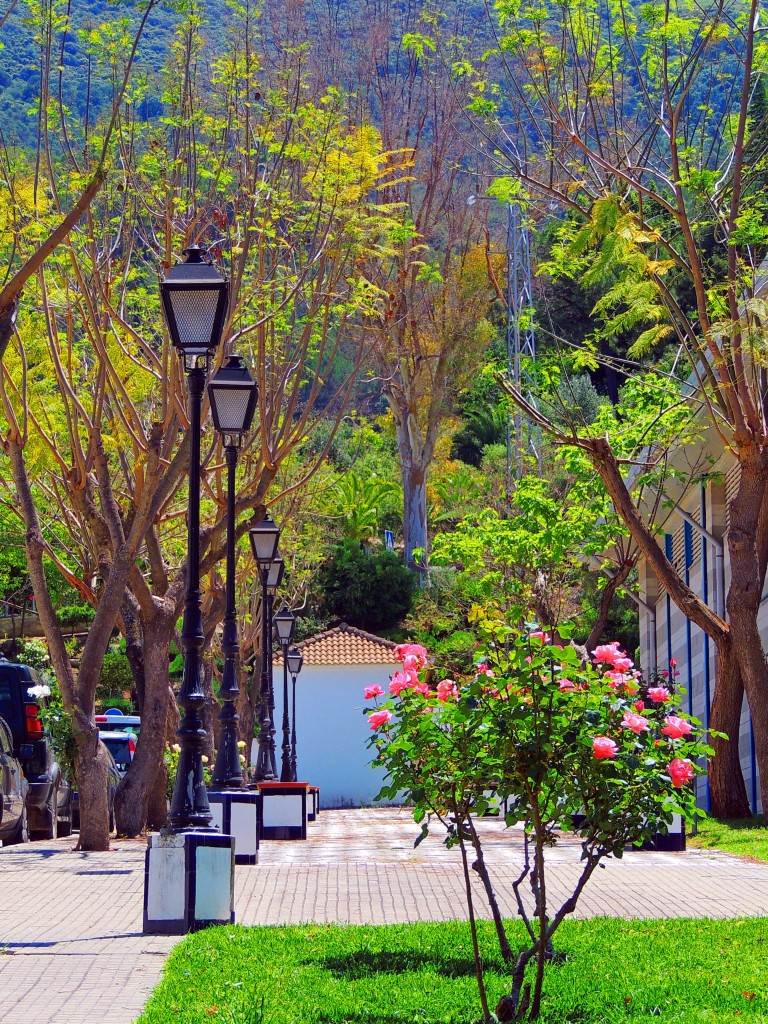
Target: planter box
[189, 882]
[237, 813]
[283, 810]
[672, 841]
[313, 807]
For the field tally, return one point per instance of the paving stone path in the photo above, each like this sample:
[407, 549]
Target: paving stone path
[72, 952]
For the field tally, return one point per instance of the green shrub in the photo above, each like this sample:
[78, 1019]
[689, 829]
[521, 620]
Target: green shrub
[371, 591]
[34, 653]
[116, 675]
[75, 614]
[108, 701]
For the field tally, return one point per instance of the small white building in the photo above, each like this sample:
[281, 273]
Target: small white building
[331, 727]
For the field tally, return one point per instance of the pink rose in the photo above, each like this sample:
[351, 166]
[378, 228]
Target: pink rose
[634, 722]
[680, 771]
[566, 685]
[659, 694]
[377, 718]
[603, 748]
[403, 651]
[639, 705]
[422, 688]
[624, 664]
[402, 681]
[373, 691]
[447, 690]
[676, 727]
[606, 653]
[615, 679]
[539, 634]
[673, 662]
[405, 679]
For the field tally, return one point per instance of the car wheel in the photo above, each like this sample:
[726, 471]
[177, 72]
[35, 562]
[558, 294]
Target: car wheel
[65, 824]
[21, 835]
[53, 830]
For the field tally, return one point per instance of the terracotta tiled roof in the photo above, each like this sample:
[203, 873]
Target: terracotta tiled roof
[345, 645]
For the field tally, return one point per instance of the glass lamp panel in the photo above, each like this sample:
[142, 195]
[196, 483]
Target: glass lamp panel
[230, 407]
[285, 623]
[195, 314]
[295, 660]
[276, 570]
[264, 540]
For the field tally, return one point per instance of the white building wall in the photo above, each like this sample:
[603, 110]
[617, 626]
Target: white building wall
[688, 645]
[332, 730]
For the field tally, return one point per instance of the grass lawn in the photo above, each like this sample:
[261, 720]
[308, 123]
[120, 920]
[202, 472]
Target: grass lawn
[662, 971]
[747, 837]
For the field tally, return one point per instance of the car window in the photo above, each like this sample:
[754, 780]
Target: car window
[7, 702]
[120, 750]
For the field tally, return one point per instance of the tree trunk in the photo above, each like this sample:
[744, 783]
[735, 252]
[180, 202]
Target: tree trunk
[415, 514]
[248, 703]
[91, 772]
[727, 792]
[209, 711]
[744, 596]
[140, 782]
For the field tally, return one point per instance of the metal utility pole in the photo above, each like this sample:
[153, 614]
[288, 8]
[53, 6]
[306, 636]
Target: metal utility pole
[521, 342]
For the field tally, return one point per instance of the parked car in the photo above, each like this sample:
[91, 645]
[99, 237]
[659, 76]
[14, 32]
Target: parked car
[113, 781]
[49, 801]
[113, 720]
[122, 747]
[14, 789]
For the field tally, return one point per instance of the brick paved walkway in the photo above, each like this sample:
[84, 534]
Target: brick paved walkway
[70, 923]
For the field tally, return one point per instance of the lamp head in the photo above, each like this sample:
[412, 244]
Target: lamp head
[276, 572]
[295, 660]
[233, 393]
[264, 537]
[285, 624]
[195, 299]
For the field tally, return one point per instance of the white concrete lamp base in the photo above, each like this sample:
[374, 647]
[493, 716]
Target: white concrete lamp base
[189, 882]
[284, 810]
[236, 813]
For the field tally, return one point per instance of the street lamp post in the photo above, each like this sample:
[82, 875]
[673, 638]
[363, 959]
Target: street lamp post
[294, 660]
[285, 623]
[195, 299]
[275, 578]
[264, 537]
[233, 393]
[183, 890]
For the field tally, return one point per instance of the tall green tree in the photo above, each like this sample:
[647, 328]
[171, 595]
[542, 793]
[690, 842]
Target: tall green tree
[639, 120]
[283, 191]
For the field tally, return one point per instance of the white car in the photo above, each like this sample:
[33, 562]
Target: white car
[122, 747]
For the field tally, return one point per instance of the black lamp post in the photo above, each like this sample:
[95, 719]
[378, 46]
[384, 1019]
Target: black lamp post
[275, 578]
[285, 623]
[195, 298]
[294, 660]
[265, 537]
[232, 393]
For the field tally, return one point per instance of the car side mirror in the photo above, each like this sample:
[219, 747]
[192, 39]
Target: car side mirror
[26, 750]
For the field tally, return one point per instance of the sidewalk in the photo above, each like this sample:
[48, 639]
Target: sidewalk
[72, 952]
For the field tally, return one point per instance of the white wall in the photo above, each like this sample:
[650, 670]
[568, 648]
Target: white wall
[331, 730]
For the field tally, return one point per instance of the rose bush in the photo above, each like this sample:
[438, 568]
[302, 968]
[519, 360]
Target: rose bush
[564, 745]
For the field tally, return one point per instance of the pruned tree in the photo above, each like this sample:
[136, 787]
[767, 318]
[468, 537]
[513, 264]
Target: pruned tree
[281, 192]
[644, 123]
